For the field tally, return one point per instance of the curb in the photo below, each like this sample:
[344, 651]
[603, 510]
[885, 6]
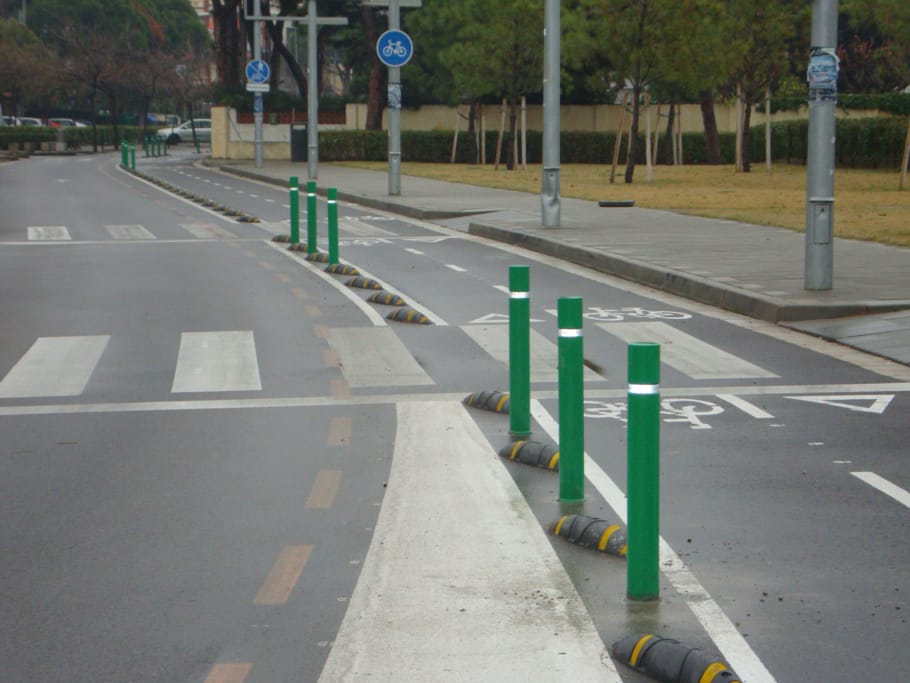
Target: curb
[676, 282]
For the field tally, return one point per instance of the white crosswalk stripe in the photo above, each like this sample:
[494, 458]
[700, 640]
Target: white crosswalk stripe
[54, 366]
[217, 361]
[685, 353]
[207, 231]
[48, 233]
[129, 232]
[352, 226]
[494, 339]
[375, 357]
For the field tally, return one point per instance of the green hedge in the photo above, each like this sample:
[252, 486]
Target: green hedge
[14, 135]
[861, 143]
[79, 137]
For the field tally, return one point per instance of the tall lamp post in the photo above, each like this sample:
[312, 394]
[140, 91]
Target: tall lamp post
[549, 190]
[822, 79]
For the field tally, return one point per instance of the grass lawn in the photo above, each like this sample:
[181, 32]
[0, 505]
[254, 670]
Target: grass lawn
[868, 205]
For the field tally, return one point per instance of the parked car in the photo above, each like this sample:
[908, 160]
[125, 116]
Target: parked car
[30, 121]
[64, 123]
[8, 121]
[184, 132]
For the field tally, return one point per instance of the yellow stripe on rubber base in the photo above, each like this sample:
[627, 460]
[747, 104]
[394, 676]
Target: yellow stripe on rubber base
[559, 524]
[502, 402]
[605, 536]
[636, 651]
[712, 671]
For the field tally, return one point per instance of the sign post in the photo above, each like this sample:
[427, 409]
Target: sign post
[312, 93]
[394, 49]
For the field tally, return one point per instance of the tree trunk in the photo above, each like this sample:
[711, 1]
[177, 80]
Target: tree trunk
[746, 150]
[668, 140]
[511, 162]
[472, 132]
[227, 42]
[275, 30]
[374, 93]
[633, 133]
[712, 138]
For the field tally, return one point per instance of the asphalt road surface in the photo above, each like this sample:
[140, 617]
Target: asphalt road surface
[198, 430]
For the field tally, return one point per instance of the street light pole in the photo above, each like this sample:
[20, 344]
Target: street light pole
[394, 110]
[257, 97]
[549, 190]
[822, 79]
[312, 103]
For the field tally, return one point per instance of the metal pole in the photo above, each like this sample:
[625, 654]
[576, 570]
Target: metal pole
[394, 110]
[257, 97]
[311, 217]
[822, 79]
[549, 190]
[294, 191]
[643, 468]
[332, 196]
[312, 91]
[571, 401]
[519, 350]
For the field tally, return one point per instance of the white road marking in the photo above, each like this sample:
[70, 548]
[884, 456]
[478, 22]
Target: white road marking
[54, 366]
[357, 228]
[503, 288]
[129, 232]
[416, 252]
[718, 626]
[376, 357]
[457, 269]
[746, 407]
[900, 495]
[874, 403]
[485, 573]
[207, 231]
[496, 319]
[494, 339]
[685, 353]
[369, 311]
[217, 361]
[48, 233]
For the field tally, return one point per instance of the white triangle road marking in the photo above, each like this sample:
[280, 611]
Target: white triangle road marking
[861, 403]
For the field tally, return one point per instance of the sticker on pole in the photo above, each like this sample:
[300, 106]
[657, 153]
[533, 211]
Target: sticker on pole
[394, 48]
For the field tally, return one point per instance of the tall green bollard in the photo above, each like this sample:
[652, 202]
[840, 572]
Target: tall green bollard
[132, 157]
[311, 217]
[294, 192]
[643, 473]
[332, 195]
[520, 350]
[571, 401]
[145, 146]
[123, 158]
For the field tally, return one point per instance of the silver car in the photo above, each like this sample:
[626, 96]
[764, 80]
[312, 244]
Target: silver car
[184, 132]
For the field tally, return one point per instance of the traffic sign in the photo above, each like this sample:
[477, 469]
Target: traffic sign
[394, 48]
[257, 87]
[257, 71]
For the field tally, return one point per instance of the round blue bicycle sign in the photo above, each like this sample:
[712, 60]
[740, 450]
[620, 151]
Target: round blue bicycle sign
[394, 48]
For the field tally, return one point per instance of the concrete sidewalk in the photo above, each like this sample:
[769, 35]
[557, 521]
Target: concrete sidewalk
[754, 270]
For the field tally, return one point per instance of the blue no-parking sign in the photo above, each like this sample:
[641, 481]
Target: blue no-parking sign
[394, 48]
[258, 71]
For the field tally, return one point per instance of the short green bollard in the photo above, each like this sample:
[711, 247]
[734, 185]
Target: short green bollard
[520, 350]
[294, 192]
[643, 473]
[332, 195]
[311, 217]
[571, 401]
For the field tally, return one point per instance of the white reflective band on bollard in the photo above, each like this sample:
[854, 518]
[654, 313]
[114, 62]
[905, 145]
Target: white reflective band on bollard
[570, 332]
[519, 295]
[644, 389]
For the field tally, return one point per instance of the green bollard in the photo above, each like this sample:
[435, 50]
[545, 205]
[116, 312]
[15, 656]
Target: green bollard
[198, 149]
[311, 217]
[643, 473]
[132, 157]
[332, 194]
[164, 144]
[571, 401]
[294, 192]
[123, 159]
[145, 146]
[519, 351]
